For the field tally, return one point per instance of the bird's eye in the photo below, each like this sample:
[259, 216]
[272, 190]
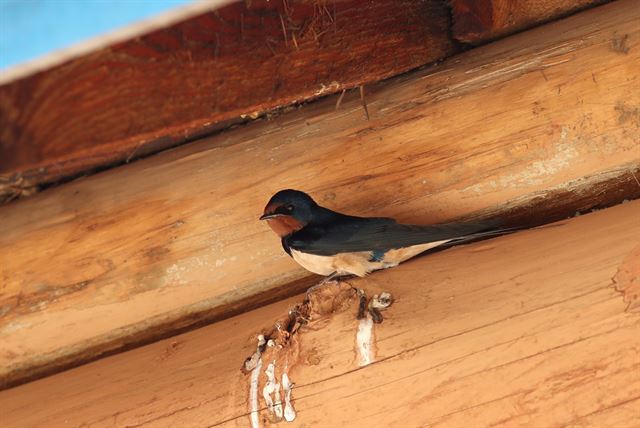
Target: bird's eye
[289, 208]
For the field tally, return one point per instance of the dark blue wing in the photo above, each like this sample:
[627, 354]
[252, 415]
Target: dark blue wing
[353, 234]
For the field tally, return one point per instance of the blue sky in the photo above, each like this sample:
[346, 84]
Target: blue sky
[31, 28]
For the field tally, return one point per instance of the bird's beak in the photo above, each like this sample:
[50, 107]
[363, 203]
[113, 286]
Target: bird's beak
[269, 216]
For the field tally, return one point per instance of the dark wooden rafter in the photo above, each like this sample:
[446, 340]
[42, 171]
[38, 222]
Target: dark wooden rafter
[477, 21]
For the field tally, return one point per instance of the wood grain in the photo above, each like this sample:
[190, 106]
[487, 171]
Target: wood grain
[481, 21]
[522, 330]
[197, 76]
[532, 127]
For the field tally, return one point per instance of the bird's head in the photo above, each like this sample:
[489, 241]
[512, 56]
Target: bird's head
[289, 211]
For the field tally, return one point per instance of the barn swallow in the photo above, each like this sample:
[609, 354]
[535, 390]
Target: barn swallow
[332, 244]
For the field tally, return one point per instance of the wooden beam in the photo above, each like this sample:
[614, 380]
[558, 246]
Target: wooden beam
[531, 128]
[477, 21]
[200, 75]
[525, 329]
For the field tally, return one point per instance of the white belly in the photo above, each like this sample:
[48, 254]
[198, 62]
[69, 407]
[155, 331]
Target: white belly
[322, 265]
[358, 263]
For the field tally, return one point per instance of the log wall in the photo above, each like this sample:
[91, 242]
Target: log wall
[531, 128]
[522, 330]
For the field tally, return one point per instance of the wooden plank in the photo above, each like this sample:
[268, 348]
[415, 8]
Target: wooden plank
[199, 75]
[550, 127]
[477, 21]
[523, 330]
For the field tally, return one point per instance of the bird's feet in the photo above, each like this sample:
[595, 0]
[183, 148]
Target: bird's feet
[334, 278]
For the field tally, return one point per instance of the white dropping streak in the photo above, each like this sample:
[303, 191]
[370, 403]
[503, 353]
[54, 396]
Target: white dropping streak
[289, 411]
[277, 406]
[253, 395]
[364, 337]
[272, 387]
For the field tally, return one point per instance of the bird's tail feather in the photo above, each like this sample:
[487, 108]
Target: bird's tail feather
[478, 237]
